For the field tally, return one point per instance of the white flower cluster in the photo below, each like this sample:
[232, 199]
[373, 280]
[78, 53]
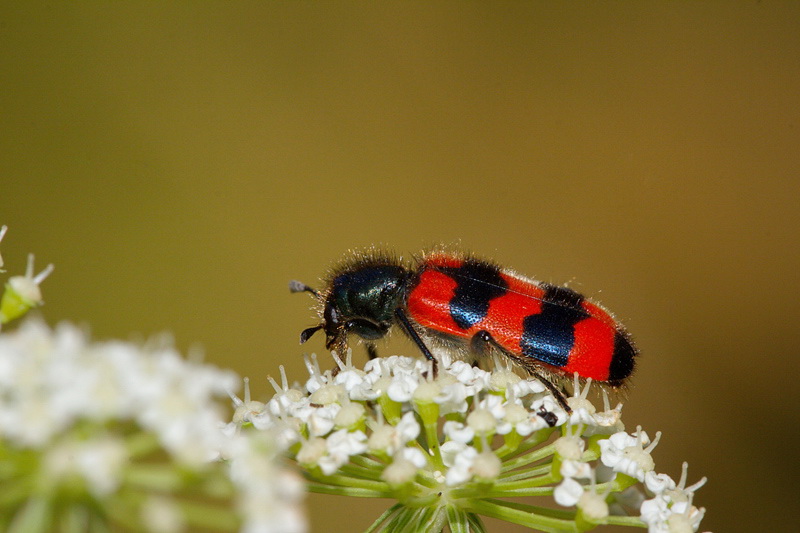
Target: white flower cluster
[671, 509]
[50, 380]
[330, 421]
[387, 418]
[93, 409]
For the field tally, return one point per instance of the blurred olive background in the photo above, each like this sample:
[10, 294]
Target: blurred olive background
[179, 163]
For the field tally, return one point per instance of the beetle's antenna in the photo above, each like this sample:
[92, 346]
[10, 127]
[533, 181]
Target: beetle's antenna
[299, 286]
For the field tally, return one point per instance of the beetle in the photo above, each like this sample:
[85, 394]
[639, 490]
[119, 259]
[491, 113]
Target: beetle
[475, 308]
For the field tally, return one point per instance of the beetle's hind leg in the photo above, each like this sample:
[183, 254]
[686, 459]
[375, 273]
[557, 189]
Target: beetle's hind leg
[483, 339]
[405, 324]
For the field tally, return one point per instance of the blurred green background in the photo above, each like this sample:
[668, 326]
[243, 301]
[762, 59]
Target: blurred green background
[179, 163]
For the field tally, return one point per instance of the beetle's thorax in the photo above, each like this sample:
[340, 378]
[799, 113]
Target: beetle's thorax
[363, 301]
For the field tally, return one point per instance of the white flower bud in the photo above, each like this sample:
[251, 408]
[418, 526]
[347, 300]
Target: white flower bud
[486, 466]
[401, 471]
[349, 415]
[481, 421]
[593, 505]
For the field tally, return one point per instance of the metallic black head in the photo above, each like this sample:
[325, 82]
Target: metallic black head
[360, 300]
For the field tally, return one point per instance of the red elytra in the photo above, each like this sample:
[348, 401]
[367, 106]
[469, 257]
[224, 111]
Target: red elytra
[588, 346]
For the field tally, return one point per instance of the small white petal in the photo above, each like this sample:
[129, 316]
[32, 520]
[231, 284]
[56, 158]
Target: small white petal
[568, 492]
[414, 456]
[456, 431]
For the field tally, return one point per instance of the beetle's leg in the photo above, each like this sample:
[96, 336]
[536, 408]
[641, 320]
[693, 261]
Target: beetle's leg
[409, 329]
[372, 351]
[483, 338]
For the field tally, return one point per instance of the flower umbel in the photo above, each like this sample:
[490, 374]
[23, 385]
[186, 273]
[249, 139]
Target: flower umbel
[98, 436]
[454, 448]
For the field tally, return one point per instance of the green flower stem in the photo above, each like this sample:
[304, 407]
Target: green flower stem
[392, 410]
[361, 472]
[522, 491]
[75, 519]
[524, 483]
[525, 474]
[203, 515]
[618, 484]
[15, 492]
[33, 518]
[518, 515]
[158, 477]
[590, 455]
[141, 443]
[593, 443]
[476, 523]
[529, 458]
[511, 443]
[425, 478]
[367, 462]
[439, 520]
[632, 521]
[345, 481]
[429, 415]
[423, 518]
[320, 488]
[98, 525]
[218, 485]
[385, 516]
[401, 521]
[457, 520]
[534, 440]
[125, 511]
[470, 492]
[422, 501]
[564, 514]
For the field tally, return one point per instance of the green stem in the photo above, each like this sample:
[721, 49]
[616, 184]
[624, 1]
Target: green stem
[386, 514]
[34, 517]
[141, 443]
[524, 474]
[528, 458]
[160, 477]
[421, 501]
[401, 521]
[125, 512]
[524, 483]
[367, 462]
[563, 514]
[346, 491]
[618, 484]
[361, 472]
[14, 492]
[476, 523]
[633, 521]
[534, 440]
[457, 520]
[203, 515]
[74, 519]
[520, 492]
[98, 524]
[346, 481]
[522, 516]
